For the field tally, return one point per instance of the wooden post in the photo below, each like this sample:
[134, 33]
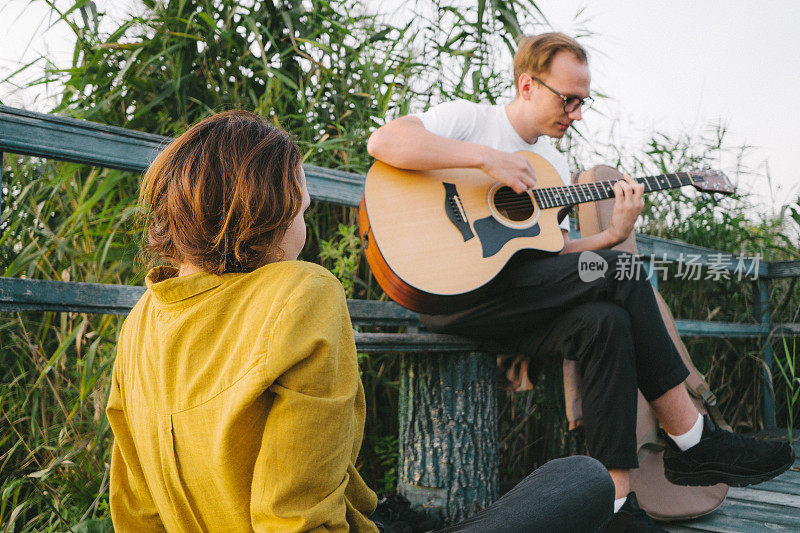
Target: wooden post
[448, 433]
[767, 393]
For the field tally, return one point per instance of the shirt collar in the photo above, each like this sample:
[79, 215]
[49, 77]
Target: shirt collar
[168, 287]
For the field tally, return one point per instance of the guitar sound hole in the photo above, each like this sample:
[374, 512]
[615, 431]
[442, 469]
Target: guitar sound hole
[513, 206]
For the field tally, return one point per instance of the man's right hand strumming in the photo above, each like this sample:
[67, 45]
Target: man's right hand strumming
[509, 169]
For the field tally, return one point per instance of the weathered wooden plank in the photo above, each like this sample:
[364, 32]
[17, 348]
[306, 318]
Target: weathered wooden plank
[688, 528]
[665, 249]
[786, 330]
[45, 295]
[79, 141]
[779, 484]
[764, 496]
[703, 328]
[413, 342]
[766, 513]
[334, 186]
[381, 313]
[29, 295]
[783, 269]
[91, 143]
[719, 523]
[37, 295]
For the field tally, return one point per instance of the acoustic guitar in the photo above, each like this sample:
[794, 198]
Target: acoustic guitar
[435, 239]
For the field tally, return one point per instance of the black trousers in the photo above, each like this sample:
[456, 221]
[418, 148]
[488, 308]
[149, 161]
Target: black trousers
[562, 496]
[610, 325]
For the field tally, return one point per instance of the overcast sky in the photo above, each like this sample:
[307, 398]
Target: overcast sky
[668, 66]
[679, 66]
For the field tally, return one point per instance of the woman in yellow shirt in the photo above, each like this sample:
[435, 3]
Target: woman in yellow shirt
[236, 402]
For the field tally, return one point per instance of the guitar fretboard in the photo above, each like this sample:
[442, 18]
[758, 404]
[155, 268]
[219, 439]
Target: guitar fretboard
[601, 190]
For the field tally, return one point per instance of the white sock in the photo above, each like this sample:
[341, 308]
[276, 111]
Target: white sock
[619, 502]
[691, 437]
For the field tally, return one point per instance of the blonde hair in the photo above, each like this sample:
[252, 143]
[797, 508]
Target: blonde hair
[535, 53]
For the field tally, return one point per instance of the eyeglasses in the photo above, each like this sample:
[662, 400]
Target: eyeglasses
[571, 103]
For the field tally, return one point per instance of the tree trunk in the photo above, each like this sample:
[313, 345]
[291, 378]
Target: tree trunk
[448, 433]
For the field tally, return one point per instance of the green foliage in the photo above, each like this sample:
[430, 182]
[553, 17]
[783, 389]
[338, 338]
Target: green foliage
[342, 255]
[786, 360]
[329, 72]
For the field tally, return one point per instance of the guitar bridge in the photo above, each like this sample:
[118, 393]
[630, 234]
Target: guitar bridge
[455, 211]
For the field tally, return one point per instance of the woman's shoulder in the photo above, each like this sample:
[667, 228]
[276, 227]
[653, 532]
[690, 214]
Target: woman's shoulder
[297, 270]
[296, 278]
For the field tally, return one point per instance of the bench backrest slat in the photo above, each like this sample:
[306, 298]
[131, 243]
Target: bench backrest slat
[46, 295]
[43, 295]
[80, 141]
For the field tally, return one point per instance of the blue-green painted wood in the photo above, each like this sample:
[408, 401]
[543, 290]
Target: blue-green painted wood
[673, 251]
[783, 269]
[722, 522]
[39, 295]
[762, 512]
[648, 268]
[703, 328]
[42, 295]
[1, 186]
[80, 141]
[101, 298]
[768, 394]
[780, 484]
[764, 496]
[413, 342]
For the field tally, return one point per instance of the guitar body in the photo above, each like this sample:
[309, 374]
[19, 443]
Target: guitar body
[435, 239]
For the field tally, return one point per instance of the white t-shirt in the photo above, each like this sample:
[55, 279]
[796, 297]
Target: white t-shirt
[489, 125]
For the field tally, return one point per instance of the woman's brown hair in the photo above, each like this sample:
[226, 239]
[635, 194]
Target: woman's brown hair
[223, 194]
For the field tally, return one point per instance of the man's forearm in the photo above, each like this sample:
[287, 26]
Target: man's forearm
[405, 143]
[598, 241]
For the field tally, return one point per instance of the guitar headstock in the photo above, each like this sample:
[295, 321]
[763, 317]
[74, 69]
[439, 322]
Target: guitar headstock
[711, 181]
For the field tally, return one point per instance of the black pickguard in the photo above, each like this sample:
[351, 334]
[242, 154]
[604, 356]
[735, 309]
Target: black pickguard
[494, 235]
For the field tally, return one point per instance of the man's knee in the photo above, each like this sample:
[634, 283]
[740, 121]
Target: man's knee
[604, 317]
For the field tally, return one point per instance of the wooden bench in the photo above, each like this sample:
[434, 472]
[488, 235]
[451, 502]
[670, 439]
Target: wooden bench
[448, 387]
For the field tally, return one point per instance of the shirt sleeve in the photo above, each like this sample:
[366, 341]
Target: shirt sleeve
[311, 430]
[454, 120]
[132, 506]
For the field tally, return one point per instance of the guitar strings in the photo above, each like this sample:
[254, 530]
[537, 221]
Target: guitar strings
[520, 200]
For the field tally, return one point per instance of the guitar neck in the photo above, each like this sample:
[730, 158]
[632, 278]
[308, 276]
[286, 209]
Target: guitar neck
[601, 190]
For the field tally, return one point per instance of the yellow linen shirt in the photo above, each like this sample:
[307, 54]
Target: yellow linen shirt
[236, 405]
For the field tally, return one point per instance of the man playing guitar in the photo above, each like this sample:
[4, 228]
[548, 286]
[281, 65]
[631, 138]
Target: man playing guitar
[612, 327]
